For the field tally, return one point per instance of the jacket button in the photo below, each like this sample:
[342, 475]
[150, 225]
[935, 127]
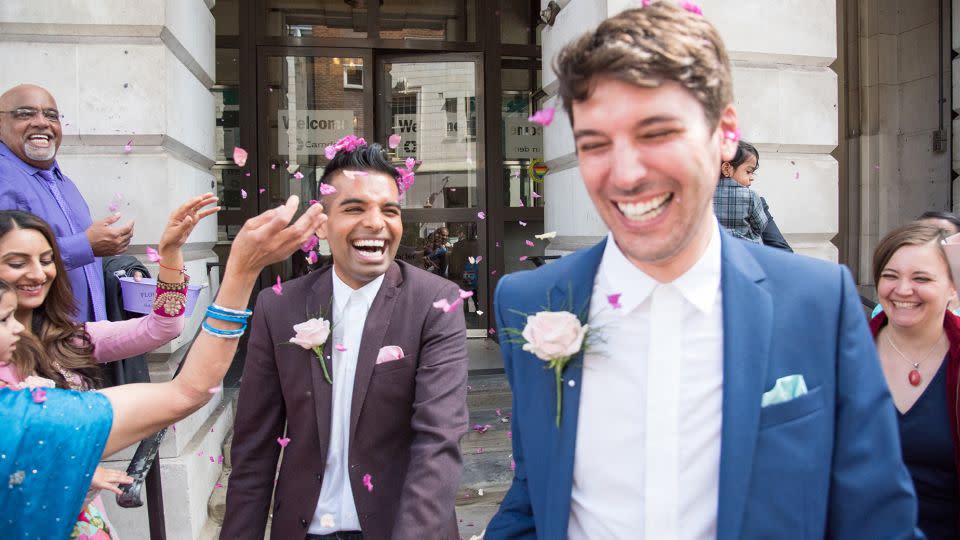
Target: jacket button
[303, 522]
[319, 477]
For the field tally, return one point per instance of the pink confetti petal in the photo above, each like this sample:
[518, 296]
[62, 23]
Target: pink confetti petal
[522, 223]
[212, 460]
[329, 152]
[239, 156]
[393, 141]
[39, 395]
[127, 148]
[218, 485]
[410, 163]
[262, 190]
[283, 441]
[528, 243]
[482, 215]
[731, 135]
[542, 117]
[523, 258]
[340, 347]
[368, 482]
[493, 272]
[152, 255]
[273, 166]
[498, 412]
[481, 428]
[278, 288]
[214, 390]
[479, 450]
[479, 258]
[522, 205]
[312, 257]
[327, 189]
[243, 193]
[113, 207]
[513, 464]
[614, 300]
[691, 7]
[491, 331]
[442, 304]
[246, 174]
[311, 243]
[298, 175]
[465, 294]
[796, 175]
[534, 194]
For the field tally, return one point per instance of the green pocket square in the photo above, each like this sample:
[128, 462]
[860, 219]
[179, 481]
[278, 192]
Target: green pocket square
[786, 388]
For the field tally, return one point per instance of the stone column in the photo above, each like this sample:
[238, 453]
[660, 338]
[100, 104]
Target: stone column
[786, 97]
[136, 72]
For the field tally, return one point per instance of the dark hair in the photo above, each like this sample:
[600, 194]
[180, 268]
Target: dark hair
[367, 157]
[911, 234]
[744, 151]
[946, 216]
[646, 47]
[61, 342]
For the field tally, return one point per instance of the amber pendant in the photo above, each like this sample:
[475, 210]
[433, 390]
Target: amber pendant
[914, 377]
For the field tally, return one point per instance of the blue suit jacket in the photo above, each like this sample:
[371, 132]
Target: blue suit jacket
[824, 465]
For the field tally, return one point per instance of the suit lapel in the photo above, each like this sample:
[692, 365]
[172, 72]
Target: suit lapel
[374, 330]
[320, 304]
[572, 295]
[747, 331]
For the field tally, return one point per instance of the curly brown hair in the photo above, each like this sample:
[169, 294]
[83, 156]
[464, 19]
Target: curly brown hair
[55, 340]
[646, 47]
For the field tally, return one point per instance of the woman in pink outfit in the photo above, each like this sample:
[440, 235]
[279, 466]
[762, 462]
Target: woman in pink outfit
[65, 354]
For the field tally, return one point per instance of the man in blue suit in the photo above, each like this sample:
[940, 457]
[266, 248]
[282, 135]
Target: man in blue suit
[724, 390]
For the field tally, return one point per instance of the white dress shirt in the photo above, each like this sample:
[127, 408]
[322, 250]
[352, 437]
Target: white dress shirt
[350, 309]
[622, 415]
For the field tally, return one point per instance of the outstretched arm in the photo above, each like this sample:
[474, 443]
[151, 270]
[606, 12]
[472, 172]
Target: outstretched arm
[142, 409]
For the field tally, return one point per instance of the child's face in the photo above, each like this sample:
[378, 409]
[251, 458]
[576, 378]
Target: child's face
[10, 328]
[744, 173]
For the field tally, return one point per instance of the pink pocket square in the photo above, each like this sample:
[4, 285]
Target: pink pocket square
[389, 354]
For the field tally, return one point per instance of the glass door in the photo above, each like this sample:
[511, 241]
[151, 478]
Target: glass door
[308, 99]
[432, 102]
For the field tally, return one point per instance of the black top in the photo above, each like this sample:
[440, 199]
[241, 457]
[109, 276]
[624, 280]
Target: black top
[928, 452]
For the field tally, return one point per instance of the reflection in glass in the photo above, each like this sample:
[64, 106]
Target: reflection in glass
[441, 20]
[447, 249]
[519, 23]
[522, 140]
[433, 107]
[515, 238]
[317, 18]
[226, 14]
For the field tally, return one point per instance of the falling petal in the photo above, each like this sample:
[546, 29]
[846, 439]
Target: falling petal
[691, 7]
[246, 174]
[152, 255]
[283, 441]
[410, 163]
[480, 492]
[479, 450]
[534, 194]
[523, 258]
[614, 300]
[442, 304]
[239, 156]
[327, 189]
[480, 428]
[340, 347]
[546, 235]
[479, 313]
[243, 193]
[491, 331]
[493, 272]
[310, 244]
[214, 390]
[465, 294]
[273, 166]
[542, 117]
[522, 205]
[113, 207]
[479, 258]
[212, 460]
[218, 485]
[219, 460]
[796, 175]
[39, 395]
[472, 260]
[368, 482]
[482, 215]
[528, 243]
[393, 141]
[127, 148]
[498, 412]
[314, 201]
[261, 190]
[298, 175]
[513, 464]
[522, 223]
[278, 288]
[312, 257]
[330, 152]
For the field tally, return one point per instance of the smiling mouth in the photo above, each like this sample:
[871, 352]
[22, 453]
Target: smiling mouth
[30, 289]
[645, 211]
[906, 305]
[370, 248]
[40, 140]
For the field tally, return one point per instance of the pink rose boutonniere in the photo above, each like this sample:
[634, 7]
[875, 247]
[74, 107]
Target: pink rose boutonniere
[554, 337]
[312, 334]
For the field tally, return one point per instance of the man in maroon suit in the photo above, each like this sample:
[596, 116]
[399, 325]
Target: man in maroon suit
[371, 447]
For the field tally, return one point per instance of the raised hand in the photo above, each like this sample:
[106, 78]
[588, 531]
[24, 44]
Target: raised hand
[106, 240]
[184, 219]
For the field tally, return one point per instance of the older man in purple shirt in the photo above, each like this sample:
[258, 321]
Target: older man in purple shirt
[31, 180]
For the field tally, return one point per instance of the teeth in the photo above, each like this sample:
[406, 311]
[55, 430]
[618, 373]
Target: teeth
[906, 305]
[369, 243]
[644, 210]
[42, 137]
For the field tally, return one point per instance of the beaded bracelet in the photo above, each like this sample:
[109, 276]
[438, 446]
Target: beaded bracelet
[171, 298]
[212, 313]
[225, 334]
[227, 311]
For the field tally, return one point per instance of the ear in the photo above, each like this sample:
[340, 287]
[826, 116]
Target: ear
[726, 169]
[321, 231]
[729, 133]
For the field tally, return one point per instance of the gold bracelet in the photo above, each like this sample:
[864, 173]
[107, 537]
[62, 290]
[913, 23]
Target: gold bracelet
[163, 285]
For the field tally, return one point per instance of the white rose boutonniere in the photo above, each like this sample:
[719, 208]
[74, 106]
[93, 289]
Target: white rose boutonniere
[312, 334]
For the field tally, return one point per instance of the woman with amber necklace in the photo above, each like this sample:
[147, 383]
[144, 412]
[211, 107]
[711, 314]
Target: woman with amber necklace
[918, 340]
[54, 348]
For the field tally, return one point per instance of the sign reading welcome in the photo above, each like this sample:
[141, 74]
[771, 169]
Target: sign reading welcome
[312, 131]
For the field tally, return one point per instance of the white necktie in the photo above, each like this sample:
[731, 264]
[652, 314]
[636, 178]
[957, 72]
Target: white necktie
[661, 469]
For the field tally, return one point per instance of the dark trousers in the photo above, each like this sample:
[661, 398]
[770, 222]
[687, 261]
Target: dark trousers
[340, 535]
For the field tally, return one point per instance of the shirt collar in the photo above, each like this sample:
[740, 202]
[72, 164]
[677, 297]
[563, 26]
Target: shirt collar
[342, 292]
[726, 181]
[699, 285]
[26, 167]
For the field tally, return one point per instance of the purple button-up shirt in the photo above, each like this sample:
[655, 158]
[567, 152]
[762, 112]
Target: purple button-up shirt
[22, 189]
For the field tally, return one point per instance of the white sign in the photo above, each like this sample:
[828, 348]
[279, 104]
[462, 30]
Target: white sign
[309, 132]
[522, 139]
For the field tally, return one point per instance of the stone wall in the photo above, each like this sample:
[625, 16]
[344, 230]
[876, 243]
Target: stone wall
[135, 72]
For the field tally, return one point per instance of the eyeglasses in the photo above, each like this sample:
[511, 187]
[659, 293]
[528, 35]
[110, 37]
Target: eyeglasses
[26, 113]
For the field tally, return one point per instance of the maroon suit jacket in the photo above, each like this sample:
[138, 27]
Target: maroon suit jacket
[407, 416]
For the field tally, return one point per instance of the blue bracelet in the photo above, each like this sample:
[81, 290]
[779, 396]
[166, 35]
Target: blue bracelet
[226, 334]
[213, 314]
[227, 311]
